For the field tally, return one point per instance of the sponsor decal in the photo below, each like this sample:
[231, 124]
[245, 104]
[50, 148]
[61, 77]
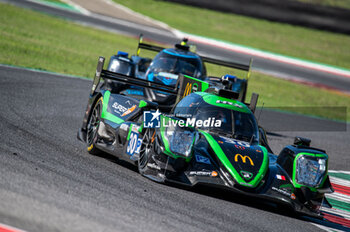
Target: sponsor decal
[293, 196]
[154, 166]
[280, 177]
[214, 174]
[284, 192]
[194, 87]
[202, 159]
[122, 110]
[247, 175]
[134, 144]
[244, 159]
[188, 90]
[118, 108]
[200, 173]
[229, 103]
[128, 111]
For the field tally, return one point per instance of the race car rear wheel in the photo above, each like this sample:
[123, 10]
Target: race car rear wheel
[146, 150]
[92, 127]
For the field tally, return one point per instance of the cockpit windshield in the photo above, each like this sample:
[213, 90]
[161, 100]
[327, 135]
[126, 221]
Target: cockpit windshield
[223, 121]
[187, 65]
[235, 124]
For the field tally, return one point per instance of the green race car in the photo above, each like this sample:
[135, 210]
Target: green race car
[209, 137]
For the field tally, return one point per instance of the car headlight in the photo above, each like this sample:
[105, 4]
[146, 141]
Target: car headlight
[180, 140]
[310, 170]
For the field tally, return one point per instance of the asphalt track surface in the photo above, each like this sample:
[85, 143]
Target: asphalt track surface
[50, 183]
[129, 28]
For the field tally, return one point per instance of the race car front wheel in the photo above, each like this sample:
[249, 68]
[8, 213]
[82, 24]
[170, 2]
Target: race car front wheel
[146, 150]
[92, 127]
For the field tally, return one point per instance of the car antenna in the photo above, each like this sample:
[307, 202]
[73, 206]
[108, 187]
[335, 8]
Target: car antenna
[262, 107]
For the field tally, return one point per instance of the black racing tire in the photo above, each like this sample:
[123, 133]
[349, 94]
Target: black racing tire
[146, 150]
[92, 128]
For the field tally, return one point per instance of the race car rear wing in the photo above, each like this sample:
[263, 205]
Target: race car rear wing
[185, 84]
[234, 65]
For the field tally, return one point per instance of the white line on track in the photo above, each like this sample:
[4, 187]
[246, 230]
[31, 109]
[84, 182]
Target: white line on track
[7, 228]
[343, 172]
[46, 72]
[339, 197]
[339, 181]
[110, 19]
[128, 24]
[340, 212]
[144, 17]
[78, 7]
[326, 228]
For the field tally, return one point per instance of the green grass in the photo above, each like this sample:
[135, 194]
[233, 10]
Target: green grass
[36, 40]
[289, 96]
[40, 41]
[334, 3]
[314, 45]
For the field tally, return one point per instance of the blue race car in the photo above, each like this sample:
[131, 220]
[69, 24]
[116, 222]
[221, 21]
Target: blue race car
[165, 69]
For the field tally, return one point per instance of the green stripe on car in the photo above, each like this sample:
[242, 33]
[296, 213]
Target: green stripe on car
[105, 114]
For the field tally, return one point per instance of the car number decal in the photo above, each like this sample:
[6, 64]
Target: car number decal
[134, 144]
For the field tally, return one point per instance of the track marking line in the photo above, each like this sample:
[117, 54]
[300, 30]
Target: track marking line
[7, 228]
[264, 54]
[337, 218]
[343, 172]
[341, 189]
[339, 181]
[144, 17]
[339, 197]
[65, 5]
[336, 211]
[326, 228]
[77, 7]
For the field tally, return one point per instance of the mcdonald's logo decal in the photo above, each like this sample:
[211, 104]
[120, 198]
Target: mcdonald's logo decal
[188, 89]
[244, 159]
